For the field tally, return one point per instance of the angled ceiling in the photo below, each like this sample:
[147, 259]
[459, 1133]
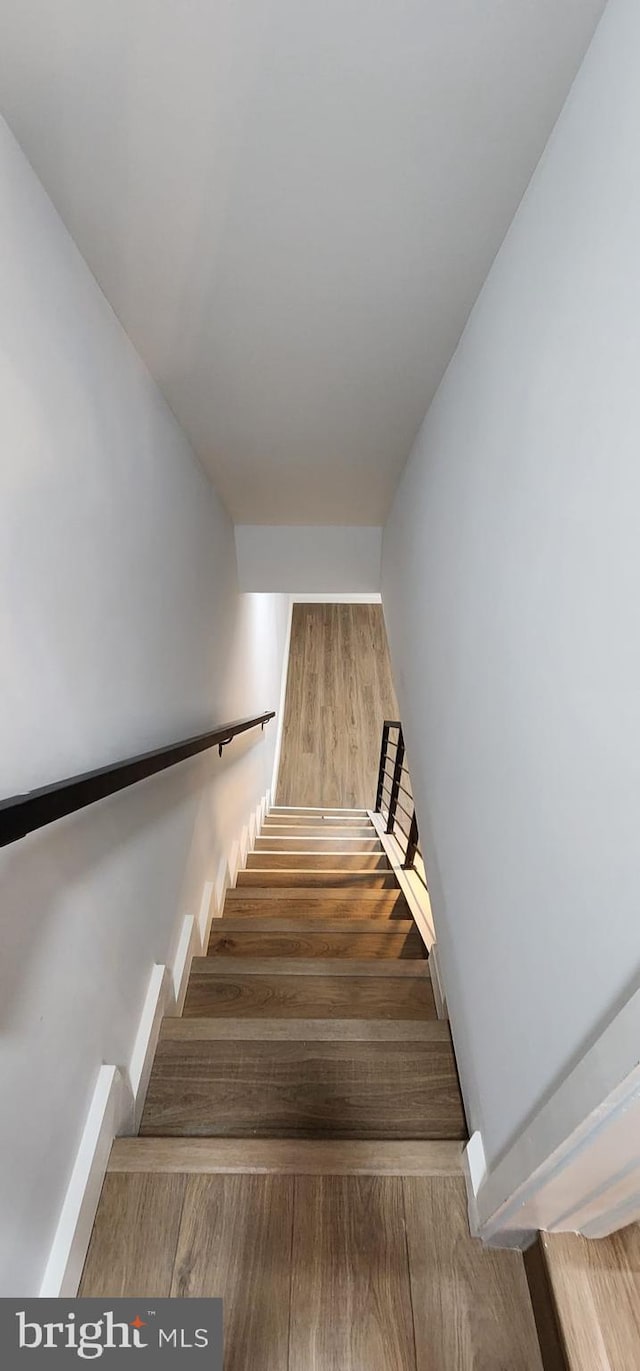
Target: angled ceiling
[291, 207]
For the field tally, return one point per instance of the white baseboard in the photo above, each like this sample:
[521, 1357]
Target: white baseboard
[118, 1098]
[182, 963]
[69, 1247]
[437, 985]
[206, 912]
[146, 1041]
[281, 706]
[575, 1167]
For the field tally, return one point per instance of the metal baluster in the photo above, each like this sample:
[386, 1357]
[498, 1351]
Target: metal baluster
[412, 843]
[383, 758]
[395, 784]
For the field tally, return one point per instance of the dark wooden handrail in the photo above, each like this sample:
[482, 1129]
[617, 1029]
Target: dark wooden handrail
[22, 814]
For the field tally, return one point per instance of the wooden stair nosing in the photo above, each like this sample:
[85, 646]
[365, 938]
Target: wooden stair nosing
[311, 966]
[306, 1030]
[202, 1156]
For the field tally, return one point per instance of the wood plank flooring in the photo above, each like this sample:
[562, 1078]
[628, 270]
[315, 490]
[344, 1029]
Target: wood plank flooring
[339, 692]
[324, 1272]
[301, 1142]
[595, 1287]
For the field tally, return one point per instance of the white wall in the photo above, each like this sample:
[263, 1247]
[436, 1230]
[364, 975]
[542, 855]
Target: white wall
[122, 628]
[306, 559]
[511, 589]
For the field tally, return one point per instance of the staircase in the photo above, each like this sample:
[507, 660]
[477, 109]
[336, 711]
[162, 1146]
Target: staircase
[300, 1148]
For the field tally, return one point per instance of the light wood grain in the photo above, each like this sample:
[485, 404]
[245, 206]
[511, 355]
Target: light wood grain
[544, 1313]
[335, 879]
[471, 1305]
[303, 924]
[350, 1294]
[310, 966]
[318, 861]
[323, 813]
[383, 1090]
[235, 1242]
[596, 1292]
[282, 1156]
[323, 832]
[312, 997]
[341, 812]
[339, 691]
[308, 1030]
[278, 842]
[317, 902]
[134, 1237]
[329, 1256]
[309, 944]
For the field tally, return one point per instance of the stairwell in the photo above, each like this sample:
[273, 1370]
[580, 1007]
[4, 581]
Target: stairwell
[301, 1144]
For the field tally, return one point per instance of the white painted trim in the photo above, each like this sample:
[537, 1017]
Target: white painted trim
[437, 984]
[146, 1039]
[69, 1247]
[182, 964]
[283, 696]
[413, 889]
[118, 1099]
[576, 1166]
[474, 1166]
[222, 882]
[206, 912]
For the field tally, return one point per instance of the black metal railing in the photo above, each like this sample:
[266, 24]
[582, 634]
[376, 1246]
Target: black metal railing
[22, 814]
[394, 797]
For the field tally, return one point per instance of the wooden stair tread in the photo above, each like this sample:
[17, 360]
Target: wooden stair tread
[317, 997]
[310, 966]
[308, 943]
[317, 820]
[285, 1156]
[320, 899]
[307, 876]
[322, 832]
[318, 861]
[308, 1030]
[303, 924]
[280, 842]
[291, 1254]
[317, 809]
[403, 1090]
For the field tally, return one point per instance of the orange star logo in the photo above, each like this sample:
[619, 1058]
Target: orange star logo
[137, 1322]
